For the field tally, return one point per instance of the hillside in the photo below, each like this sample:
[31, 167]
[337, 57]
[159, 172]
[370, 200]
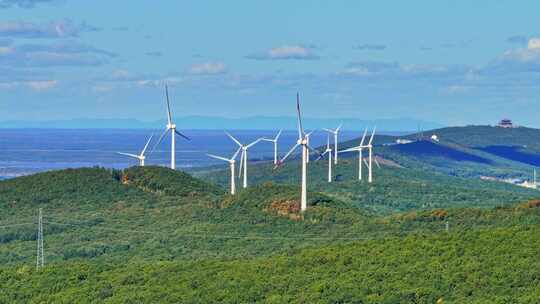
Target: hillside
[394, 190]
[470, 151]
[158, 213]
[464, 266]
[153, 234]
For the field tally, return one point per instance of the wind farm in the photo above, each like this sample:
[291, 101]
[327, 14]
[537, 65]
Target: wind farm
[276, 152]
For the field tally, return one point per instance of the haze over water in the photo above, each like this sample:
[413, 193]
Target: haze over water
[25, 152]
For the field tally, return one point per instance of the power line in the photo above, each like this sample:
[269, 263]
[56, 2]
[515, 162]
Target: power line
[16, 225]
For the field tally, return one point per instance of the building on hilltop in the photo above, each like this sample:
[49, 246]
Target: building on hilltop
[505, 123]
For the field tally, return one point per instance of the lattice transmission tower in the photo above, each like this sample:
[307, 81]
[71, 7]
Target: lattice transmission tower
[40, 260]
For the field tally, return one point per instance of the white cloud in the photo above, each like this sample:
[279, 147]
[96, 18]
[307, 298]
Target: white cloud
[34, 85]
[42, 85]
[286, 52]
[5, 50]
[53, 29]
[534, 44]
[208, 68]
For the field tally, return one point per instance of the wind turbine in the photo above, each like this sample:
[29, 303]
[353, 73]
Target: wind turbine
[243, 157]
[329, 152]
[358, 148]
[370, 147]
[302, 141]
[172, 128]
[232, 162]
[141, 157]
[275, 141]
[335, 132]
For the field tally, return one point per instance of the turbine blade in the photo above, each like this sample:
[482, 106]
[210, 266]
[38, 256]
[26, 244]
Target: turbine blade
[365, 162]
[289, 153]
[339, 127]
[234, 139]
[169, 115]
[241, 165]
[327, 141]
[253, 143]
[350, 149]
[236, 154]
[377, 163]
[160, 139]
[185, 137]
[216, 157]
[329, 130]
[278, 135]
[314, 151]
[128, 154]
[363, 137]
[372, 135]
[147, 143]
[299, 117]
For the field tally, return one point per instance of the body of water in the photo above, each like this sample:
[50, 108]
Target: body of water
[27, 151]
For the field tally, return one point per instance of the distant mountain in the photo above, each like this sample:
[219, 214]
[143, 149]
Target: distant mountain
[247, 123]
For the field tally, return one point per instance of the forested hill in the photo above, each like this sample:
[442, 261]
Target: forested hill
[152, 234]
[484, 136]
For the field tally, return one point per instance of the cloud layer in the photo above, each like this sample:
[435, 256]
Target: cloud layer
[68, 53]
[208, 68]
[286, 52]
[53, 29]
[22, 3]
[370, 47]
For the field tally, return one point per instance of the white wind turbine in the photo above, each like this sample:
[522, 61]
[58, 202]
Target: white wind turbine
[302, 141]
[370, 147]
[172, 128]
[243, 157]
[358, 148]
[232, 162]
[336, 133]
[361, 160]
[141, 157]
[329, 152]
[275, 142]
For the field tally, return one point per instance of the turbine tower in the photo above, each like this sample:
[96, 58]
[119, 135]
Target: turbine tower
[243, 157]
[275, 142]
[358, 148]
[336, 133]
[141, 157]
[172, 128]
[40, 258]
[374, 160]
[307, 140]
[232, 162]
[329, 152]
[370, 147]
[302, 141]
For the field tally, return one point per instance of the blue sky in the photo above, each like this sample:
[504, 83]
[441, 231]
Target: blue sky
[453, 62]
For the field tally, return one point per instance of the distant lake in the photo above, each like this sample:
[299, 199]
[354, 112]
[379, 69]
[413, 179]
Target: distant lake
[26, 151]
